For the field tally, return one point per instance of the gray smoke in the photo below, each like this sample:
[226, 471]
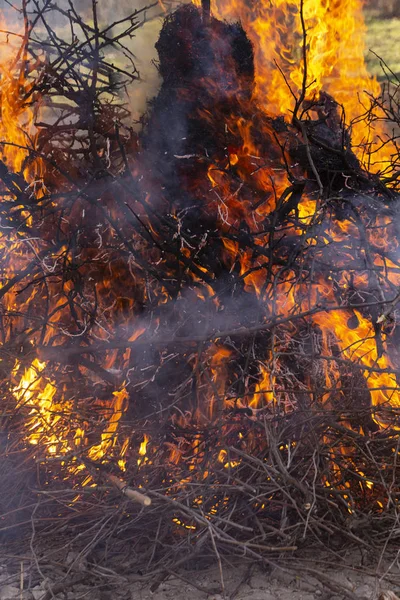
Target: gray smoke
[141, 43]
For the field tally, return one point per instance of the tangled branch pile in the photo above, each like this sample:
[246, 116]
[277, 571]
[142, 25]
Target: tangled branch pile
[205, 311]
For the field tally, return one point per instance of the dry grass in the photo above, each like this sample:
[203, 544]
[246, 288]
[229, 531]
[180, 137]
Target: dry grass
[383, 37]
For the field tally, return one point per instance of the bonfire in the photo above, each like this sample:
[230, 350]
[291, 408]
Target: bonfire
[199, 316]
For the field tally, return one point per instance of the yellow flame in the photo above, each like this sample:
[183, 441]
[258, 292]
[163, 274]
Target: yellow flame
[109, 435]
[143, 445]
[45, 423]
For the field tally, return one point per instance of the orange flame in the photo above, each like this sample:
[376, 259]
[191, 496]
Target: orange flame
[335, 46]
[359, 346]
[17, 115]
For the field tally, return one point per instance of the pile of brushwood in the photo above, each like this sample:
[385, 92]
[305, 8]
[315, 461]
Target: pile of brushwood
[157, 282]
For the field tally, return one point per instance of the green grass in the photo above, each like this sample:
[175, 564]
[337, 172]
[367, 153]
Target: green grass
[383, 37]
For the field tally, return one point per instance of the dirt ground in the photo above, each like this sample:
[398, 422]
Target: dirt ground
[328, 583]
[315, 576]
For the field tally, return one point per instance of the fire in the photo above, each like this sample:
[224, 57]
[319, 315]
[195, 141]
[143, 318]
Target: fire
[46, 418]
[143, 445]
[18, 109]
[228, 464]
[264, 391]
[48, 422]
[109, 435]
[91, 298]
[143, 450]
[335, 48]
[359, 346]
